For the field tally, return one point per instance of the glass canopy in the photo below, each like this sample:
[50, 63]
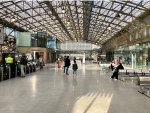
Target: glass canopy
[91, 21]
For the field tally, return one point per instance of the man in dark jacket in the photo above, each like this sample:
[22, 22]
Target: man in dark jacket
[64, 64]
[67, 64]
[23, 63]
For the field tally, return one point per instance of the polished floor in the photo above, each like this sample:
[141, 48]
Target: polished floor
[91, 91]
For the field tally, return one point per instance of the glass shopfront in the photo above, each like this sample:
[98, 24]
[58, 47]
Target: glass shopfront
[135, 56]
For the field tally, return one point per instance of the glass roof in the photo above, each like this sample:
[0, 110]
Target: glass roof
[91, 21]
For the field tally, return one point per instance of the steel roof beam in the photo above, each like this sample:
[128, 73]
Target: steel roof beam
[57, 17]
[130, 12]
[48, 21]
[97, 18]
[108, 22]
[72, 20]
[77, 18]
[103, 23]
[11, 25]
[138, 5]
[120, 12]
[121, 2]
[87, 10]
[30, 23]
[94, 13]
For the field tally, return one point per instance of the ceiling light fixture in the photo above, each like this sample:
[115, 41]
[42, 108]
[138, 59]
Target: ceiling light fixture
[118, 16]
[68, 22]
[109, 28]
[63, 11]
[13, 19]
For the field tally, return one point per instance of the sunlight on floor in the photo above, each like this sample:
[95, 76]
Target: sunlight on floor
[93, 103]
[34, 84]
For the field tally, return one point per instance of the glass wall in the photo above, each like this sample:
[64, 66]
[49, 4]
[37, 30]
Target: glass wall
[76, 46]
[23, 39]
[135, 56]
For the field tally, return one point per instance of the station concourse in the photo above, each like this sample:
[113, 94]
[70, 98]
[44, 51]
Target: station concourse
[41, 40]
[91, 91]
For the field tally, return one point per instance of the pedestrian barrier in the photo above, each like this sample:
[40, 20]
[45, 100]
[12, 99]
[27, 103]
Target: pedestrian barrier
[7, 73]
[144, 85]
[140, 77]
[105, 67]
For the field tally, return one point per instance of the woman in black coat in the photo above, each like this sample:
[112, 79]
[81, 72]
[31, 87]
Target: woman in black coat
[115, 74]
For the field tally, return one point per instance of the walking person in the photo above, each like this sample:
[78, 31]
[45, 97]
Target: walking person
[74, 59]
[112, 65]
[115, 74]
[64, 64]
[74, 67]
[58, 63]
[67, 64]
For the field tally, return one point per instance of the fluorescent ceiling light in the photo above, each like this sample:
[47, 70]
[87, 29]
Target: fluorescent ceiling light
[13, 20]
[68, 22]
[63, 11]
[109, 28]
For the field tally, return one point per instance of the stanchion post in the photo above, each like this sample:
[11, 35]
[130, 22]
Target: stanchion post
[9, 71]
[29, 69]
[2, 75]
[16, 71]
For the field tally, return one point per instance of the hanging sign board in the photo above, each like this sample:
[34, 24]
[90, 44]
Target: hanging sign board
[1, 35]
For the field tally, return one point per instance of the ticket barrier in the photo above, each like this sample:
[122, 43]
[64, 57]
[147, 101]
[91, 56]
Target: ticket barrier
[1, 73]
[32, 67]
[6, 72]
[13, 70]
[129, 75]
[27, 69]
[18, 69]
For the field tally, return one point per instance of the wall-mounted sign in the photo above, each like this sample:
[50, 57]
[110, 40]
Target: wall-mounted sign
[1, 35]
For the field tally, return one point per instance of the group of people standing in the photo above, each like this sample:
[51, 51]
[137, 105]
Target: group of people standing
[67, 64]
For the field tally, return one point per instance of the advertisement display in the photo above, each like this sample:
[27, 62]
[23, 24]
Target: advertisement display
[51, 43]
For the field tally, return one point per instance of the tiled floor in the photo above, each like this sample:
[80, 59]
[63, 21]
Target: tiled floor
[50, 91]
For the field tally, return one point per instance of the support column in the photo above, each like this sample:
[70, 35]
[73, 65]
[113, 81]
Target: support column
[132, 60]
[83, 59]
